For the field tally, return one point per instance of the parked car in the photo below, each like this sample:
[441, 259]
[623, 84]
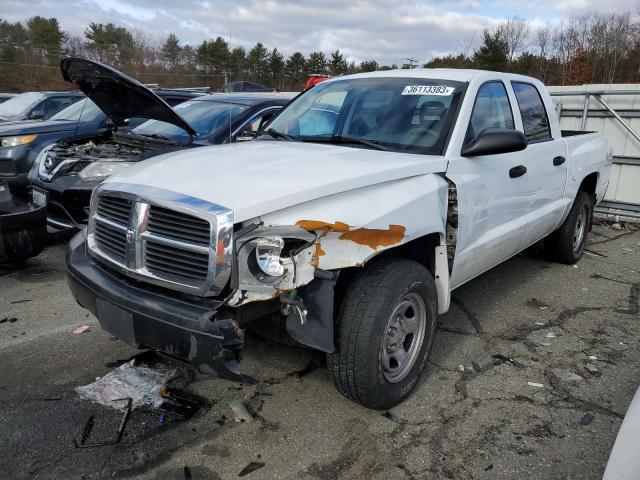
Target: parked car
[6, 96]
[21, 142]
[623, 463]
[66, 173]
[36, 105]
[242, 86]
[23, 227]
[354, 215]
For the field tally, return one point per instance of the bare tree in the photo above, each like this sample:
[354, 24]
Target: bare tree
[516, 32]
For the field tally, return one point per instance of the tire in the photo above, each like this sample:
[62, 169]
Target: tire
[566, 244]
[365, 367]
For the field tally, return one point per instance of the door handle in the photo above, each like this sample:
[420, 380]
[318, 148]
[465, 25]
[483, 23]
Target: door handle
[517, 171]
[558, 161]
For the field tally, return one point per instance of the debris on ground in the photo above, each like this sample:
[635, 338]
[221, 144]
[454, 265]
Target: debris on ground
[391, 416]
[535, 303]
[240, 412]
[499, 359]
[81, 329]
[550, 335]
[312, 365]
[534, 384]
[179, 404]
[476, 366]
[592, 369]
[616, 226]
[8, 319]
[566, 375]
[86, 432]
[187, 473]
[586, 419]
[140, 383]
[252, 467]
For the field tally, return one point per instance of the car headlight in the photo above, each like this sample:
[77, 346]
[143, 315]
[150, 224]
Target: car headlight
[17, 140]
[268, 251]
[102, 170]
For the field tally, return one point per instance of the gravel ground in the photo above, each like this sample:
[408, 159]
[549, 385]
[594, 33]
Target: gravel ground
[473, 415]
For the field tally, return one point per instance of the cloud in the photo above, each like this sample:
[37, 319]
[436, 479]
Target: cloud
[386, 30]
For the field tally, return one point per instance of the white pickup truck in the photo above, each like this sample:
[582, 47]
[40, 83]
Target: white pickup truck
[348, 221]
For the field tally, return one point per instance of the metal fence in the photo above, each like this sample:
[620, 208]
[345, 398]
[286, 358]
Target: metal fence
[613, 110]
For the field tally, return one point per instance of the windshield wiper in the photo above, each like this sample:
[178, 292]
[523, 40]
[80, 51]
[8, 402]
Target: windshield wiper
[279, 135]
[339, 139]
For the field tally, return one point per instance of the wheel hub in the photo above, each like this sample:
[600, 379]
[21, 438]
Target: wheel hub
[403, 337]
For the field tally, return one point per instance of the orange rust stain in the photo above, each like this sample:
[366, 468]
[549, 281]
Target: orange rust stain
[311, 225]
[374, 237]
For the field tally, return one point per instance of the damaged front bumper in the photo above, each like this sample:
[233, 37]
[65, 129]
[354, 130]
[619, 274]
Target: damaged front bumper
[151, 319]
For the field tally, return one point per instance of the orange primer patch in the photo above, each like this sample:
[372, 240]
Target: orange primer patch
[312, 225]
[374, 237]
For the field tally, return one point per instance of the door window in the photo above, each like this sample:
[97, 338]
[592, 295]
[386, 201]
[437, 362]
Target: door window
[491, 110]
[534, 115]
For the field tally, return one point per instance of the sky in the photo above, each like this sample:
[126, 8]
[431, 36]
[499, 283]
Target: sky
[385, 30]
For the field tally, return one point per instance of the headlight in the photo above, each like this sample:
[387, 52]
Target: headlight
[17, 140]
[268, 251]
[102, 170]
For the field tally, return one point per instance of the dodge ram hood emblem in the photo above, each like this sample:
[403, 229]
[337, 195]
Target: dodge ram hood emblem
[131, 235]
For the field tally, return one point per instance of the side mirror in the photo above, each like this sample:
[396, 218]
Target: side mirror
[36, 115]
[493, 141]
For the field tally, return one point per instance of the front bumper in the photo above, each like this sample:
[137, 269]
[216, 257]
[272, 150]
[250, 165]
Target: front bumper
[69, 201]
[146, 318]
[23, 229]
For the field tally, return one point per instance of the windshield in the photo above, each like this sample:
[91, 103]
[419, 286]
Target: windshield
[204, 116]
[17, 107]
[86, 108]
[402, 114]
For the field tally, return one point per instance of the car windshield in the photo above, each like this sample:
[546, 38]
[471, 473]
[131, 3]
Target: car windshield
[204, 116]
[86, 108]
[390, 113]
[17, 107]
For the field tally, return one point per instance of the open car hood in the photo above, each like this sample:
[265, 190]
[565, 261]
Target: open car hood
[118, 95]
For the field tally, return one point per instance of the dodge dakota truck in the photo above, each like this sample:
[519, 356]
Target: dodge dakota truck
[348, 221]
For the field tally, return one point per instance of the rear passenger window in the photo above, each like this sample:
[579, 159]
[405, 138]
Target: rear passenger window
[534, 115]
[491, 110]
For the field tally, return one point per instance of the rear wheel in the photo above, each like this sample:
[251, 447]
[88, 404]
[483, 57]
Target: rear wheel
[566, 244]
[385, 332]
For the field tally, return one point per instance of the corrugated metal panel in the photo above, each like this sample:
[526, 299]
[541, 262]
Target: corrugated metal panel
[625, 177]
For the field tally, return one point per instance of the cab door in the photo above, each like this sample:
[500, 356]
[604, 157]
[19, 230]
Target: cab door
[492, 191]
[547, 168]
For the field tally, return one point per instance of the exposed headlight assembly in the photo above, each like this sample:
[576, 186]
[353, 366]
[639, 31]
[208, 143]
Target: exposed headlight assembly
[17, 140]
[267, 253]
[272, 259]
[102, 169]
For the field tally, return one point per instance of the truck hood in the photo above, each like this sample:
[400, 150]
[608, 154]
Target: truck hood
[118, 95]
[260, 177]
[26, 127]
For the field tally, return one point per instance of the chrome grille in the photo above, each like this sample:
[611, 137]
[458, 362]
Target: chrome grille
[179, 264]
[111, 241]
[115, 209]
[178, 226]
[180, 248]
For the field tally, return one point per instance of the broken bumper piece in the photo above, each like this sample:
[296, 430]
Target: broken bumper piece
[149, 319]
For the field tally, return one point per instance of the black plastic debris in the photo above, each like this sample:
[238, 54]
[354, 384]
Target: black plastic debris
[499, 359]
[86, 432]
[476, 366]
[187, 473]
[252, 467]
[586, 419]
[489, 467]
[391, 416]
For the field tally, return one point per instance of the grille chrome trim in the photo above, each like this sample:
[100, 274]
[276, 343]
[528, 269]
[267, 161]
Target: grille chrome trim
[183, 264]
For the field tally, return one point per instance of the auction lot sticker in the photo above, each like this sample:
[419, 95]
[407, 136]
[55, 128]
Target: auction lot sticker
[428, 90]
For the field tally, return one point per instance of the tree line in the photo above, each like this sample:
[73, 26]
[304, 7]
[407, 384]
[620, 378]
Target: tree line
[595, 48]
[592, 48]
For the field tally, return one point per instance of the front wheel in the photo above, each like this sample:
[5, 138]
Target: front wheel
[386, 327]
[566, 244]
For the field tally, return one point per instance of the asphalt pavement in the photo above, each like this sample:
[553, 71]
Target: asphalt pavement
[531, 373]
